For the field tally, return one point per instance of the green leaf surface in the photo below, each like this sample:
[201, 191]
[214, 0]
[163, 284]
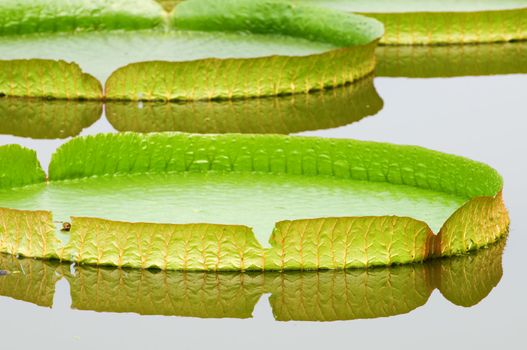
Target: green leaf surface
[42, 119]
[438, 21]
[219, 197]
[47, 79]
[22, 17]
[275, 115]
[451, 60]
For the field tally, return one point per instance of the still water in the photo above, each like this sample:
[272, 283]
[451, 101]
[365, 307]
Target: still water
[472, 303]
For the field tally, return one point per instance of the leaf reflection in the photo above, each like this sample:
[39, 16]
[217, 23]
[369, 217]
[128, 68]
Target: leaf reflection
[273, 115]
[46, 119]
[305, 296]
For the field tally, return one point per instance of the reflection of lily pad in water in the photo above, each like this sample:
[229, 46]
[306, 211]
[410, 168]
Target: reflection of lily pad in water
[29, 280]
[42, 119]
[468, 286]
[275, 115]
[279, 173]
[204, 53]
[439, 21]
[451, 60]
[314, 296]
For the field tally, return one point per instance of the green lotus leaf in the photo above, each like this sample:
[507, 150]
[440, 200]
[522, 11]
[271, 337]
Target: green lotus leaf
[46, 79]
[22, 17]
[307, 296]
[274, 115]
[41, 119]
[439, 21]
[451, 60]
[401, 195]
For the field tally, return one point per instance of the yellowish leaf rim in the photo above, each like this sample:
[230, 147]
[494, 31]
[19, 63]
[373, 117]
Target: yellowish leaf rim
[311, 244]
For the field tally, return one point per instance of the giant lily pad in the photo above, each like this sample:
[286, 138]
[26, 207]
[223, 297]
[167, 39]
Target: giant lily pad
[246, 49]
[440, 21]
[196, 202]
[313, 296]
